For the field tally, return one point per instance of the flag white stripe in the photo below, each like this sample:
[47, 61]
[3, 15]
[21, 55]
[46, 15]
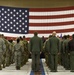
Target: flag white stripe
[31, 35]
[51, 20]
[51, 27]
[51, 13]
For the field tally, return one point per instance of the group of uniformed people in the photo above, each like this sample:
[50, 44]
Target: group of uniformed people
[56, 51]
[11, 52]
[52, 50]
[59, 51]
[35, 46]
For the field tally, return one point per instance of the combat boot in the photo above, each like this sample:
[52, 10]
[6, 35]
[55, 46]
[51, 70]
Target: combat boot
[17, 68]
[7, 65]
[3, 65]
[0, 67]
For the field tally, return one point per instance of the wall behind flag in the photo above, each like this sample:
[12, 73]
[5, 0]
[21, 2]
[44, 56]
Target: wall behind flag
[37, 3]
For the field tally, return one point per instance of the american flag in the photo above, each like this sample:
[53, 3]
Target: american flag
[15, 22]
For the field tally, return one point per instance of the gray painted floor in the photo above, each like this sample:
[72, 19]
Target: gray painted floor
[26, 69]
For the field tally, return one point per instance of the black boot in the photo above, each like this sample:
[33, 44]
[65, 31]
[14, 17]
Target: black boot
[3, 65]
[0, 67]
[17, 68]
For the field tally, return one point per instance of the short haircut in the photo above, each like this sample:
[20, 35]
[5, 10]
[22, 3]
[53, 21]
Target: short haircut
[35, 33]
[23, 36]
[73, 36]
[18, 40]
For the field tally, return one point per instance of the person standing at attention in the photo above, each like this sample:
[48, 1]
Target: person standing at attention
[35, 46]
[71, 51]
[54, 47]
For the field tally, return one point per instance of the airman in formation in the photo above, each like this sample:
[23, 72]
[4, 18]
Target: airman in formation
[13, 52]
[56, 50]
[59, 51]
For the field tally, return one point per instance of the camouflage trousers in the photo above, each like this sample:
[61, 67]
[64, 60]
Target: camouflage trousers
[17, 58]
[1, 58]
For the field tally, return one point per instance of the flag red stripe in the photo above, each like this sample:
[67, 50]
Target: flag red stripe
[51, 17]
[52, 24]
[50, 9]
[50, 31]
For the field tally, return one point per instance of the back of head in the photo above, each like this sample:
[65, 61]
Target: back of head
[50, 36]
[23, 36]
[54, 33]
[0, 35]
[18, 40]
[73, 36]
[68, 36]
[35, 33]
[65, 36]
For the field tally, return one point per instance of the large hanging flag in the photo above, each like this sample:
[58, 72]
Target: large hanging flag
[15, 22]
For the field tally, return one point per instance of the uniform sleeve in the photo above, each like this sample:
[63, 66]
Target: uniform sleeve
[3, 46]
[63, 46]
[69, 46]
[59, 49]
[41, 45]
[30, 46]
[47, 46]
[22, 49]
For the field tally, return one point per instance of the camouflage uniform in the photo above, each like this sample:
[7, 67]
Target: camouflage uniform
[12, 52]
[2, 48]
[46, 52]
[8, 52]
[26, 52]
[23, 54]
[18, 49]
